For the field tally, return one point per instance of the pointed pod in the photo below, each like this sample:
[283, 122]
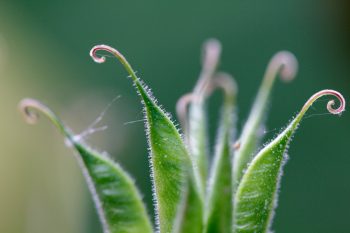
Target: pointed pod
[219, 190]
[256, 195]
[285, 65]
[116, 197]
[170, 162]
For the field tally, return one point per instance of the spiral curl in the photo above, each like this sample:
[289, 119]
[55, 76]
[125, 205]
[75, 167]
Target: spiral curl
[30, 109]
[285, 64]
[27, 107]
[100, 58]
[330, 104]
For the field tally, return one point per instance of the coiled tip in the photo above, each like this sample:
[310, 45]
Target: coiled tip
[25, 105]
[30, 109]
[286, 64]
[98, 58]
[331, 109]
[102, 58]
[330, 104]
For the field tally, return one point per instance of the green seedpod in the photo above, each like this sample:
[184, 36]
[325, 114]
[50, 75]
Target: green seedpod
[257, 192]
[171, 165]
[116, 197]
[231, 188]
[219, 188]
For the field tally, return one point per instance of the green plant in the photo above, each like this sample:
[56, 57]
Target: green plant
[236, 193]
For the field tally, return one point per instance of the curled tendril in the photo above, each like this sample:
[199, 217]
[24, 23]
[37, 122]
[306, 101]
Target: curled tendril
[29, 116]
[27, 107]
[330, 104]
[283, 63]
[30, 109]
[101, 59]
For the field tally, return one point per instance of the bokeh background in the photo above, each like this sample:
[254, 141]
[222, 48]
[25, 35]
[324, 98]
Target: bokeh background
[44, 49]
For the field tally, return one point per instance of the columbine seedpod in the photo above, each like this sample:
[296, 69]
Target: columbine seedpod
[233, 191]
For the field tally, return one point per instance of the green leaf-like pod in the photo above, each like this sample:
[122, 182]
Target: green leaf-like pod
[285, 64]
[117, 200]
[219, 193]
[170, 162]
[256, 195]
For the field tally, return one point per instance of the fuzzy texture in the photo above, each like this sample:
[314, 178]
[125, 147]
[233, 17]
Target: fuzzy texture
[235, 198]
[119, 202]
[116, 197]
[256, 196]
[170, 163]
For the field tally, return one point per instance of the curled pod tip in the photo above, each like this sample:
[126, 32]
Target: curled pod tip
[285, 64]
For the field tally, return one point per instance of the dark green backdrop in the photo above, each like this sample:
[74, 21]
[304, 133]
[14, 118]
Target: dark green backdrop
[44, 49]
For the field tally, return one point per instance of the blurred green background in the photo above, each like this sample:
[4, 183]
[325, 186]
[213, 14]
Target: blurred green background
[44, 49]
